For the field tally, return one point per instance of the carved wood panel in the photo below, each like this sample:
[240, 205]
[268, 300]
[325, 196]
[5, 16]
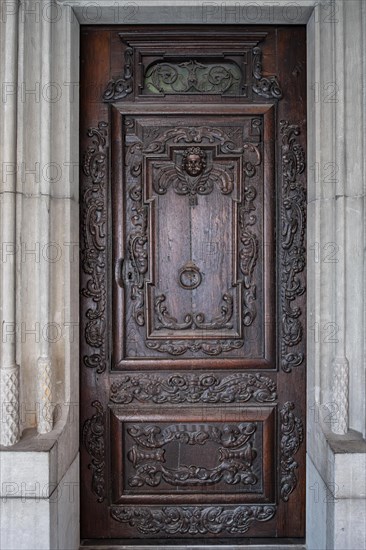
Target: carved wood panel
[192, 270]
[192, 225]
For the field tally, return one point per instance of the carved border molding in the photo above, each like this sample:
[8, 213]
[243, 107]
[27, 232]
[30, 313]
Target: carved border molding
[193, 520]
[93, 245]
[123, 86]
[267, 87]
[138, 239]
[292, 435]
[293, 253]
[93, 440]
[192, 388]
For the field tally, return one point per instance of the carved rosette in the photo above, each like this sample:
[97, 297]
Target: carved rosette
[267, 87]
[93, 245]
[193, 520]
[123, 86]
[293, 253]
[292, 435]
[93, 440]
[191, 388]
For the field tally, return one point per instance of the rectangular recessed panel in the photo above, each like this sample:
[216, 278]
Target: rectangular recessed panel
[192, 455]
[195, 241]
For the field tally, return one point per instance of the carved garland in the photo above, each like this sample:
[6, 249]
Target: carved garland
[293, 254]
[93, 440]
[93, 245]
[292, 435]
[235, 456]
[193, 520]
[191, 388]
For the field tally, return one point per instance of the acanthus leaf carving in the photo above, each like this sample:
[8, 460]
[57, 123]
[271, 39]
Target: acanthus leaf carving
[292, 435]
[267, 87]
[178, 347]
[123, 86]
[93, 440]
[193, 520]
[192, 388]
[293, 254]
[93, 245]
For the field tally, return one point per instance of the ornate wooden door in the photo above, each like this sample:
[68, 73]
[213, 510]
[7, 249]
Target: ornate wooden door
[193, 194]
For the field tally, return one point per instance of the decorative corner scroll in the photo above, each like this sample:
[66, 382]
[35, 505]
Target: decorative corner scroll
[263, 86]
[293, 253]
[193, 520]
[93, 245]
[193, 388]
[93, 440]
[123, 86]
[292, 435]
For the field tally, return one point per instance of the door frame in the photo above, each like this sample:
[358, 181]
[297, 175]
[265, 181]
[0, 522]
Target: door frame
[310, 14]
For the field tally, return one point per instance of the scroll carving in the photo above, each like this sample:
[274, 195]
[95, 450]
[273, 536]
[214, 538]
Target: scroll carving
[292, 435]
[214, 347]
[93, 245]
[93, 440]
[193, 77]
[196, 320]
[123, 86]
[138, 240]
[267, 87]
[293, 254]
[235, 455]
[190, 388]
[248, 254]
[193, 520]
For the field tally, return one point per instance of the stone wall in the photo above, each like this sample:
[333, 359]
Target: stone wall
[39, 358]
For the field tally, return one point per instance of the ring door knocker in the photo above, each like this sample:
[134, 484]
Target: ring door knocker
[190, 276]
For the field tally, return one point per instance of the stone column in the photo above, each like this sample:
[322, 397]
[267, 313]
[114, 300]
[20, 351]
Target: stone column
[340, 379]
[44, 367]
[9, 370]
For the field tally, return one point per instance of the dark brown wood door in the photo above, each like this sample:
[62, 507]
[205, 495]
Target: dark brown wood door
[193, 201]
